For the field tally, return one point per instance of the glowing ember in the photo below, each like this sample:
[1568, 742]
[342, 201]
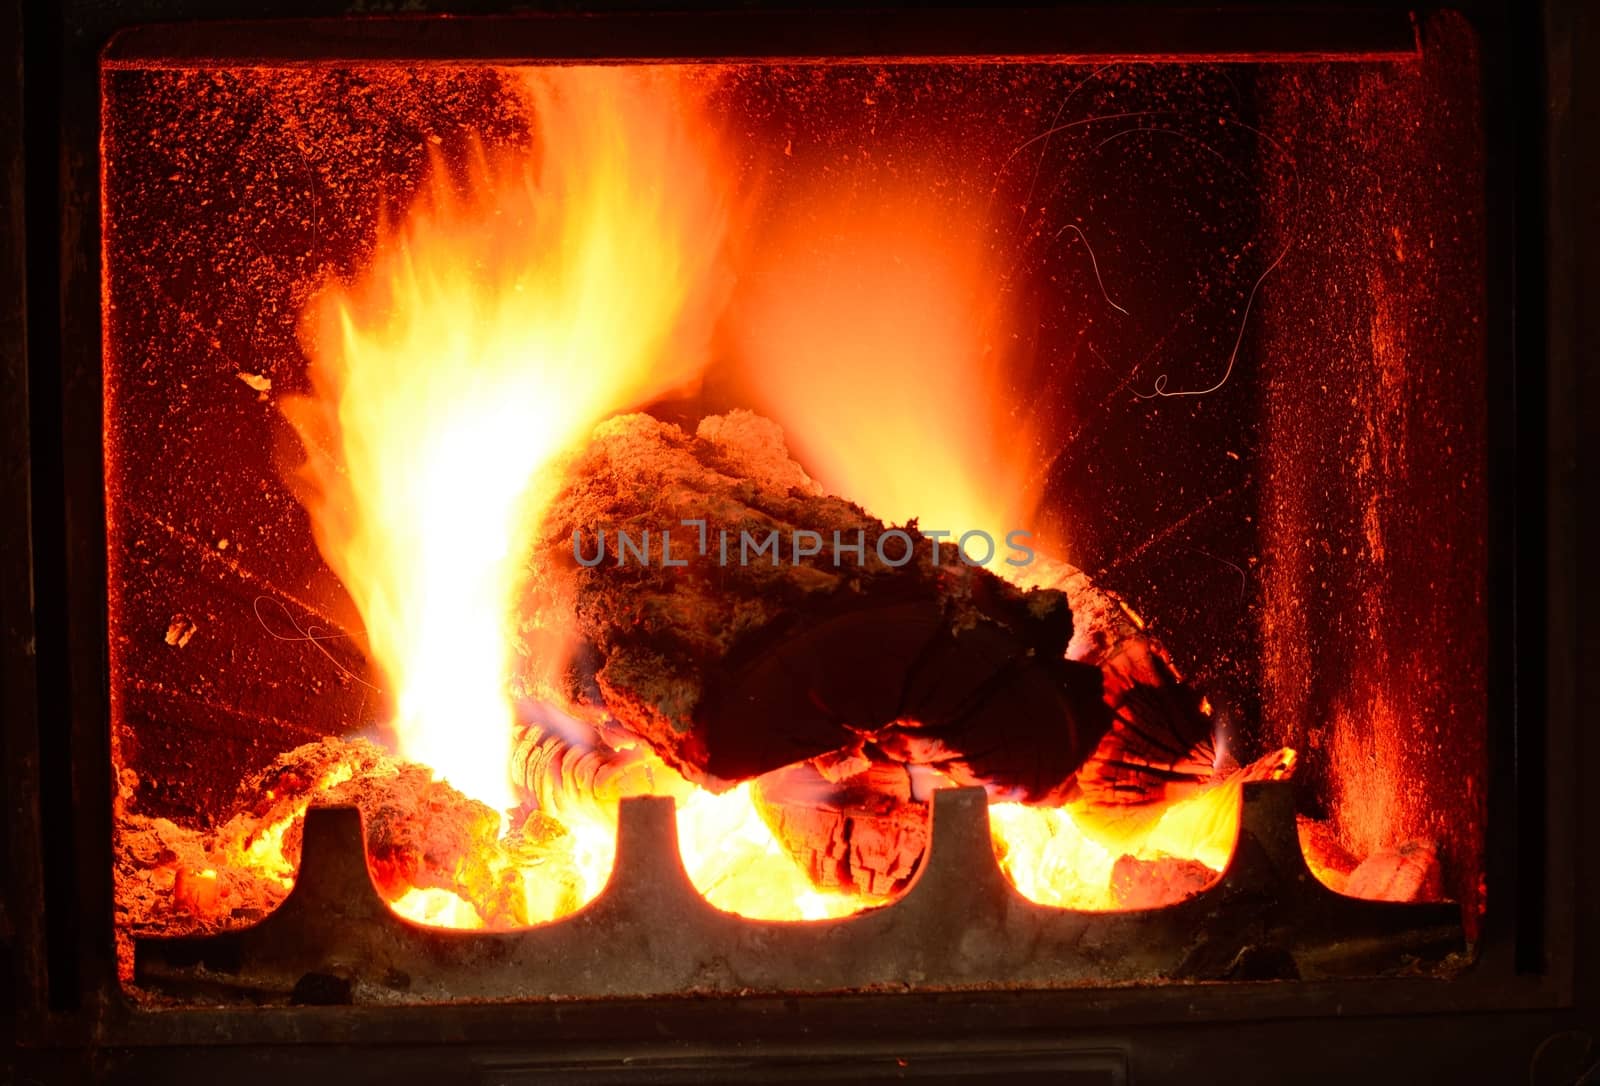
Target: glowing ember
[1053, 860]
[739, 866]
[436, 907]
[261, 848]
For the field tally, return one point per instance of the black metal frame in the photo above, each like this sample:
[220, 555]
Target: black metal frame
[1531, 1000]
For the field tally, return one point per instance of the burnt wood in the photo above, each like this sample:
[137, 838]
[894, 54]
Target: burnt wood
[867, 832]
[735, 662]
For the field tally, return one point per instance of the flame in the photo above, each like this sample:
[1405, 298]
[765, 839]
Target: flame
[868, 327]
[736, 863]
[490, 331]
[436, 907]
[1049, 859]
[261, 849]
[488, 334]
[1053, 859]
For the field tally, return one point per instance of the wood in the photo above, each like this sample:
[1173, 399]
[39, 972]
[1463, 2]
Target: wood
[661, 650]
[865, 832]
[731, 669]
[1159, 746]
[560, 764]
[1157, 751]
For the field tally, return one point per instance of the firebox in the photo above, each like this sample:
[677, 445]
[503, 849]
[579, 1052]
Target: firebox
[712, 544]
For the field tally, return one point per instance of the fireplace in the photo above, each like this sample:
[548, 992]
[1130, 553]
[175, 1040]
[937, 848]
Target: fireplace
[893, 544]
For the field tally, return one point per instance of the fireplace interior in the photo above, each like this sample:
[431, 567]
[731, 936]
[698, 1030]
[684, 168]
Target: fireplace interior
[1172, 370]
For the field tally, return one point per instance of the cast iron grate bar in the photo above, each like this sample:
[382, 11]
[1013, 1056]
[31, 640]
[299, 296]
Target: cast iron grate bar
[960, 925]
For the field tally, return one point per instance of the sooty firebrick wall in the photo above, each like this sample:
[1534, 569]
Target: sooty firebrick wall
[1374, 502]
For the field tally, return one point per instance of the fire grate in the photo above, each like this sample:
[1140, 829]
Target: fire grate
[960, 925]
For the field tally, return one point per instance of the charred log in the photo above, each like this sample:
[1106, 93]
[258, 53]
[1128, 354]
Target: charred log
[735, 663]
[1159, 747]
[1158, 750]
[559, 763]
[866, 832]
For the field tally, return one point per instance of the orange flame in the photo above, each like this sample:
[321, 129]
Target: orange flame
[488, 333]
[868, 327]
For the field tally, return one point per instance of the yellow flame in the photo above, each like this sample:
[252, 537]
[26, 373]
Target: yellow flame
[261, 850]
[436, 907]
[1052, 860]
[486, 335]
[1049, 859]
[736, 863]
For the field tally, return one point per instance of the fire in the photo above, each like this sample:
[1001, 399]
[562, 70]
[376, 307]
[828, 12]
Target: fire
[495, 326]
[909, 292]
[732, 859]
[1053, 860]
[436, 907]
[537, 290]
[869, 328]
[737, 864]
[262, 849]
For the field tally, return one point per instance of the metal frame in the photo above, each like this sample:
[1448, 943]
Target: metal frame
[1535, 977]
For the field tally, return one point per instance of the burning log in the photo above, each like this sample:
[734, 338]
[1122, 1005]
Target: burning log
[422, 836]
[1159, 748]
[861, 830]
[743, 621]
[731, 664]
